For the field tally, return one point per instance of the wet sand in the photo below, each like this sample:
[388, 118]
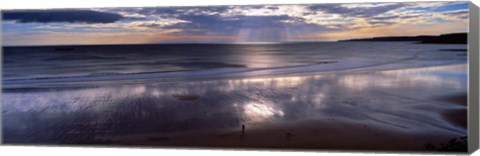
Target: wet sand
[314, 135]
[456, 116]
[334, 134]
[459, 99]
[401, 109]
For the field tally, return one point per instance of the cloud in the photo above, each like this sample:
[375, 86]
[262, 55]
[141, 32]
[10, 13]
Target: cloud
[148, 25]
[462, 14]
[293, 11]
[357, 11]
[248, 28]
[154, 26]
[228, 20]
[70, 16]
[165, 12]
[262, 23]
[437, 6]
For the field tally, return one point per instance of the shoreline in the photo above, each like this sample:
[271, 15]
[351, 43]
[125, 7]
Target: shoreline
[223, 76]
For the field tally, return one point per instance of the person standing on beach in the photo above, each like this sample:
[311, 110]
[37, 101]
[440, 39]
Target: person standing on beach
[243, 130]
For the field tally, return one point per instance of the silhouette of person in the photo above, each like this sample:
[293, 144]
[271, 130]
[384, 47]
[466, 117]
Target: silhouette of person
[243, 129]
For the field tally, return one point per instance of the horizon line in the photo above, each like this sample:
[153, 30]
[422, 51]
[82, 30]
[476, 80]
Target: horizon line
[221, 43]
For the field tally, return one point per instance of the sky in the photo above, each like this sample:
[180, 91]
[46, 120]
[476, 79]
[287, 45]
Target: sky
[231, 24]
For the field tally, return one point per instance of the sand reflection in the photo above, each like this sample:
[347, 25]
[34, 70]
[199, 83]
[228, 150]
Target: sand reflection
[446, 76]
[258, 112]
[393, 99]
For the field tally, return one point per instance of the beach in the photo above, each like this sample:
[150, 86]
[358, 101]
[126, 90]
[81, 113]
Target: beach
[401, 100]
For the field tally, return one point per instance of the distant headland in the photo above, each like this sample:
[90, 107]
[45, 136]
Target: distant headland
[453, 38]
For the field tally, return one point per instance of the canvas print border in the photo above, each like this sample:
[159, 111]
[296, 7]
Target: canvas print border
[473, 64]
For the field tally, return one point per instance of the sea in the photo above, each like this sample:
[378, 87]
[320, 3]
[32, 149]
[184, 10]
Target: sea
[33, 65]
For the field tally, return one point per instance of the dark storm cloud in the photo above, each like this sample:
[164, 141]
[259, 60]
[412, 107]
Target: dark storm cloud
[358, 11]
[71, 16]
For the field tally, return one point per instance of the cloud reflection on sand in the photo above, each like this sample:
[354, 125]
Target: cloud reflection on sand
[259, 112]
[389, 99]
[431, 76]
